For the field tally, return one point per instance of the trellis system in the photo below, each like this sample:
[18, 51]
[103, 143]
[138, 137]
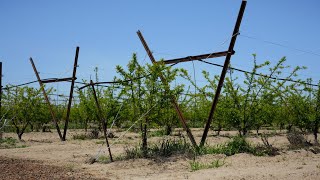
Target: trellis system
[228, 54]
[53, 80]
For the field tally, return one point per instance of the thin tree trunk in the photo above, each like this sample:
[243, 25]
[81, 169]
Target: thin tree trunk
[145, 138]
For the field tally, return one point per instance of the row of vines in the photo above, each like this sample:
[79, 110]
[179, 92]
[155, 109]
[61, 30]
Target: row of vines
[248, 101]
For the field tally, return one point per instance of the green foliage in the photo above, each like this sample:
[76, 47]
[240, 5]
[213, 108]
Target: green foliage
[80, 137]
[169, 147]
[165, 148]
[133, 153]
[157, 133]
[195, 165]
[238, 144]
[247, 101]
[25, 107]
[10, 142]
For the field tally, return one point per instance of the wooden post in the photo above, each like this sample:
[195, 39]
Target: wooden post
[173, 99]
[102, 119]
[224, 70]
[71, 93]
[47, 99]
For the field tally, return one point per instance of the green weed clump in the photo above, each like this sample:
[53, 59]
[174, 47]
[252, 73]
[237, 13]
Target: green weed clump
[10, 142]
[170, 147]
[80, 137]
[238, 144]
[195, 165]
[133, 153]
[157, 133]
[94, 134]
[165, 148]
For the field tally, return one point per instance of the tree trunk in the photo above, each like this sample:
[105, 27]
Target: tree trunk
[145, 139]
[86, 124]
[31, 127]
[244, 131]
[44, 127]
[315, 132]
[168, 130]
[290, 127]
[257, 130]
[20, 136]
[219, 130]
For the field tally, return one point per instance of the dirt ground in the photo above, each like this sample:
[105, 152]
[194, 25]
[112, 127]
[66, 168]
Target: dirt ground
[46, 157]
[31, 169]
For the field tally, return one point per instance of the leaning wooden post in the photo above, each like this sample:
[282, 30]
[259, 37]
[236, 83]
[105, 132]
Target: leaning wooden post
[224, 71]
[101, 117]
[47, 100]
[173, 99]
[71, 93]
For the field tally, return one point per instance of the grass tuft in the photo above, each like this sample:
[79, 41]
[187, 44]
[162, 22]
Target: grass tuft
[169, 147]
[80, 137]
[195, 165]
[238, 144]
[9, 142]
[157, 133]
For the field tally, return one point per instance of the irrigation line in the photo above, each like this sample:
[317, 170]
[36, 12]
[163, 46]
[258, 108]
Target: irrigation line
[263, 75]
[281, 45]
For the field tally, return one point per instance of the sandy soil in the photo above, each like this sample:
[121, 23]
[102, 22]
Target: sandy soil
[47, 151]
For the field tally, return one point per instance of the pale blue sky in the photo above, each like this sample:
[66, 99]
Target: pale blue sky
[105, 30]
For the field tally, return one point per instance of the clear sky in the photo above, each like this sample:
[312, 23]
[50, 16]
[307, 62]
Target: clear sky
[105, 30]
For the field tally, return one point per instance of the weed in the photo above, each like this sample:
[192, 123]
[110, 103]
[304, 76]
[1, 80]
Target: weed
[133, 153]
[104, 159]
[94, 134]
[79, 137]
[238, 144]
[70, 167]
[267, 148]
[297, 140]
[195, 165]
[157, 133]
[169, 147]
[166, 148]
[10, 142]
[100, 142]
